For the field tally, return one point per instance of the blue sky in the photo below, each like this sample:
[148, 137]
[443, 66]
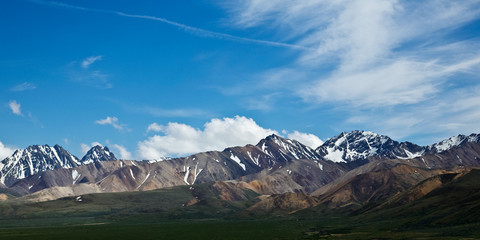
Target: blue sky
[169, 78]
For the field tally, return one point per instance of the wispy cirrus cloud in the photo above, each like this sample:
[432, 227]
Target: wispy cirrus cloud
[366, 42]
[113, 121]
[439, 118]
[161, 112]
[189, 29]
[158, 111]
[81, 72]
[23, 87]
[381, 56]
[90, 60]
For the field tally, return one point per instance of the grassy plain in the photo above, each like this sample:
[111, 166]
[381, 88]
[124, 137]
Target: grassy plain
[185, 212]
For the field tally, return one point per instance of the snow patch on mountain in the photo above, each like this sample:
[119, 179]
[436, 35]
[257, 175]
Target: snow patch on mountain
[98, 153]
[334, 155]
[360, 145]
[237, 160]
[451, 142]
[35, 159]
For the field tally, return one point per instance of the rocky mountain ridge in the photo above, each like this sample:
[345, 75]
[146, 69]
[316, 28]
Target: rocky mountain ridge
[361, 145]
[274, 165]
[40, 158]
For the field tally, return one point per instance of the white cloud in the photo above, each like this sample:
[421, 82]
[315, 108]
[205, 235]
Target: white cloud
[15, 107]
[306, 138]
[189, 29]
[430, 121]
[124, 153]
[217, 134]
[93, 78]
[85, 147]
[159, 112]
[377, 53]
[81, 73]
[23, 87]
[155, 127]
[262, 103]
[114, 122]
[401, 82]
[90, 60]
[392, 66]
[5, 151]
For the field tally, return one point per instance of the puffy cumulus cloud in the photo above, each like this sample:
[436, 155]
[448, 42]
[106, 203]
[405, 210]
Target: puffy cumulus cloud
[5, 151]
[113, 121]
[85, 147]
[306, 138]
[217, 134]
[124, 153]
[15, 107]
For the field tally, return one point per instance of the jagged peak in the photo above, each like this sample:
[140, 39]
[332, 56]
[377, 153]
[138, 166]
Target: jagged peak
[359, 145]
[453, 141]
[355, 136]
[274, 136]
[34, 159]
[99, 147]
[98, 153]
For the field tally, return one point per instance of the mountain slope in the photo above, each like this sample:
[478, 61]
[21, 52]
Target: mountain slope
[360, 145]
[275, 165]
[35, 159]
[381, 179]
[303, 175]
[270, 154]
[452, 142]
[452, 201]
[98, 153]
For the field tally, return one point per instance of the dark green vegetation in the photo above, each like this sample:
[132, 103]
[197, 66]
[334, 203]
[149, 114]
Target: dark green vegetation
[451, 211]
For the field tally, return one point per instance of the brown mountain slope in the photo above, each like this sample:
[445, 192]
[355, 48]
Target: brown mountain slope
[303, 175]
[272, 153]
[279, 204]
[375, 186]
[423, 188]
[382, 179]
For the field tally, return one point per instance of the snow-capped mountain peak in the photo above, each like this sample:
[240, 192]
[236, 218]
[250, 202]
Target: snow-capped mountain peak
[360, 145]
[34, 159]
[451, 142]
[286, 148]
[98, 153]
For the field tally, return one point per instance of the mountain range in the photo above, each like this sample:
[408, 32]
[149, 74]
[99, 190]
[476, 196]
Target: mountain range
[274, 165]
[357, 176]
